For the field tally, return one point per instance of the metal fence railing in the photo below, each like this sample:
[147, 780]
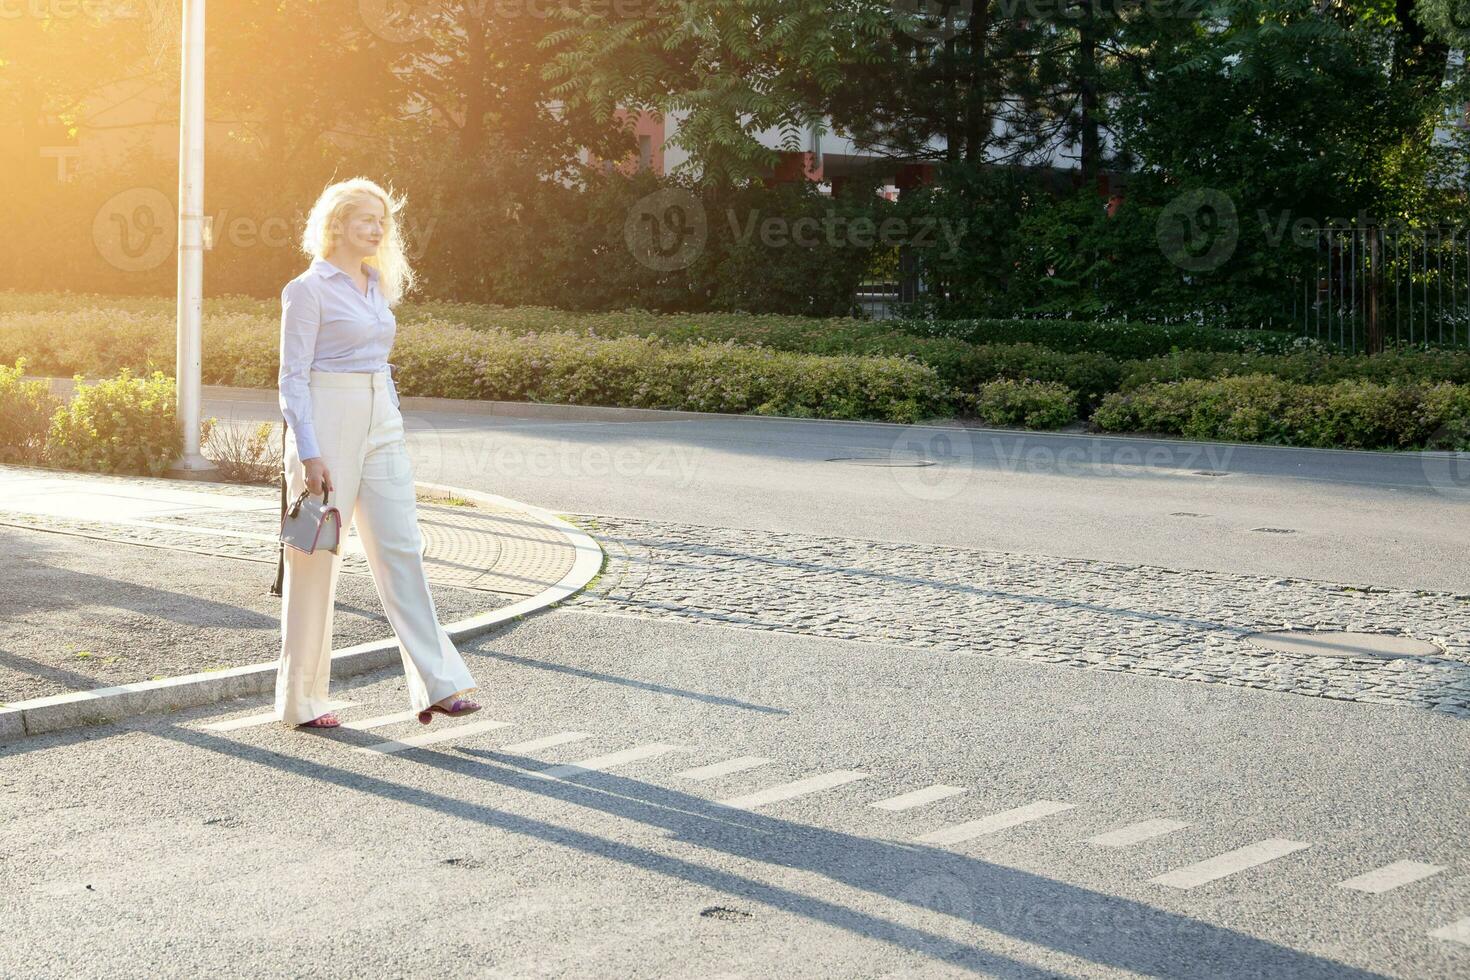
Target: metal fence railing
[1373, 287]
[1363, 288]
[891, 283]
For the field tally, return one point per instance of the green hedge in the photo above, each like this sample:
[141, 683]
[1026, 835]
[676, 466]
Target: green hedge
[963, 365]
[101, 341]
[640, 372]
[1316, 367]
[1259, 408]
[1033, 404]
[802, 367]
[1121, 339]
[450, 360]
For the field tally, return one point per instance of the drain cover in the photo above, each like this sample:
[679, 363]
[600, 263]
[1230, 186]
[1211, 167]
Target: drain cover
[880, 461]
[1333, 643]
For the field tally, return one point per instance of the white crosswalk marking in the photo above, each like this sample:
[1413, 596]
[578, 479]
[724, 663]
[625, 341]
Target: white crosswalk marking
[1391, 876]
[447, 734]
[918, 797]
[1455, 932]
[994, 822]
[1137, 832]
[601, 762]
[381, 720]
[1212, 869]
[725, 768]
[549, 742]
[234, 724]
[787, 791]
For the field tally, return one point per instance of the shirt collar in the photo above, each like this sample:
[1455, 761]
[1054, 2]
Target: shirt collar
[326, 270]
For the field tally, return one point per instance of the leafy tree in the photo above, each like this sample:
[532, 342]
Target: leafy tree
[728, 69]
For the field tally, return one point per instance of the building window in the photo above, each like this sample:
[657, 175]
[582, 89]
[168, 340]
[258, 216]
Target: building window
[645, 152]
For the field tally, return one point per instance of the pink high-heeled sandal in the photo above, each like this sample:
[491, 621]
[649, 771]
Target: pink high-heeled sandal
[458, 707]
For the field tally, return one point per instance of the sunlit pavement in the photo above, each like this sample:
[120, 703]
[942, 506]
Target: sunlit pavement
[648, 798]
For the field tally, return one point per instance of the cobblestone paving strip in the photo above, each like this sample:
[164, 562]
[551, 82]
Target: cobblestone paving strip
[1187, 625]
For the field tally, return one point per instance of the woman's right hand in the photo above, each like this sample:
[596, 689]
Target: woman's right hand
[317, 476]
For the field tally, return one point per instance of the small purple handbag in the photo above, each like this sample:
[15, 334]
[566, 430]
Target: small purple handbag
[309, 525]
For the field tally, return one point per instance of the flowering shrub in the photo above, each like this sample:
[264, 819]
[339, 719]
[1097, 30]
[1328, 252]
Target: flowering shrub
[1033, 404]
[25, 415]
[121, 425]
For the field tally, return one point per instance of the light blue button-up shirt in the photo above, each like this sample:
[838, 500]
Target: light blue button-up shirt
[328, 324]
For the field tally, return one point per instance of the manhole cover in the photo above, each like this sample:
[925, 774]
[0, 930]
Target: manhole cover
[880, 461]
[1333, 643]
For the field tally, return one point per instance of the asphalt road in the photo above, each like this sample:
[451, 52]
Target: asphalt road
[1038, 821]
[160, 847]
[1384, 519]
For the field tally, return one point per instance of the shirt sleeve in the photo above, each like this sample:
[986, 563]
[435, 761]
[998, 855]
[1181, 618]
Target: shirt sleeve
[300, 320]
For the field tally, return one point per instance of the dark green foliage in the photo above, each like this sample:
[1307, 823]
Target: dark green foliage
[1032, 404]
[1260, 408]
[1317, 367]
[1117, 339]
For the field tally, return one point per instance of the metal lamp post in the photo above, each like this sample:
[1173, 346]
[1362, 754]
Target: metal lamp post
[191, 464]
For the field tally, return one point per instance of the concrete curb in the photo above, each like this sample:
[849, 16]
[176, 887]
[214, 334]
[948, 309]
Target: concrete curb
[102, 705]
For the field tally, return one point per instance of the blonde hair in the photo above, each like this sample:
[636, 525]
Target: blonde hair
[335, 205]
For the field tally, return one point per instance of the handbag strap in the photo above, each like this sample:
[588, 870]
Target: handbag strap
[275, 588]
[281, 547]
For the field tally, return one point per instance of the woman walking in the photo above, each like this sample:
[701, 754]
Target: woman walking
[341, 408]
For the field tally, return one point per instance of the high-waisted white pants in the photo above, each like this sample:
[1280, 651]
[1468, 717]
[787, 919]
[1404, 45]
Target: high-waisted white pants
[360, 435]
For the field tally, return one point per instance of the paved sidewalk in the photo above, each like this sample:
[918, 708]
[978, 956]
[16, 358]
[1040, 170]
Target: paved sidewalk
[117, 580]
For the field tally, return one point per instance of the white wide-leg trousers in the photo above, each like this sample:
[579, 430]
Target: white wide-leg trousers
[360, 435]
